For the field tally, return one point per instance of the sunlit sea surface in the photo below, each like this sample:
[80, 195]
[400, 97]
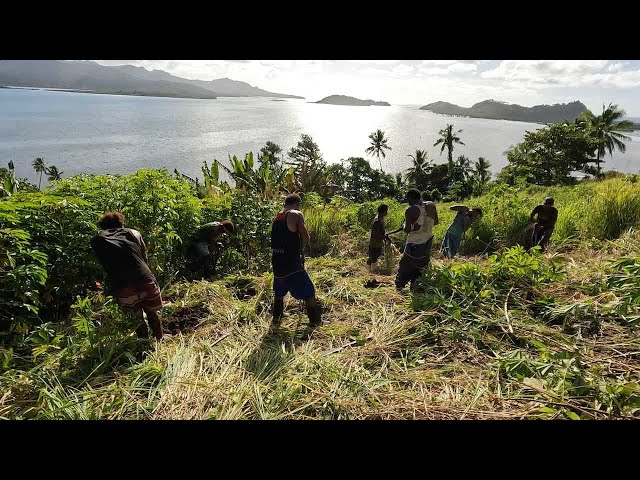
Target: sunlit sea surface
[86, 133]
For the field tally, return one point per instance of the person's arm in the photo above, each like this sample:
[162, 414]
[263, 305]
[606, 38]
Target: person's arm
[143, 246]
[411, 215]
[468, 220]
[395, 231]
[432, 211]
[304, 234]
[459, 208]
[143, 249]
[554, 217]
[533, 213]
[97, 250]
[295, 222]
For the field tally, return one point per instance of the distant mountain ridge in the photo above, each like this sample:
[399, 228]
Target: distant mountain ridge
[345, 100]
[493, 109]
[122, 79]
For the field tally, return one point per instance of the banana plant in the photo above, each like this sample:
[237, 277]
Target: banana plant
[10, 183]
[212, 184]
[267, 180]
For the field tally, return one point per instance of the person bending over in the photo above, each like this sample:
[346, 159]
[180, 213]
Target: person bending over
[547, 216]
[461, 223]
[206, 247]
[123, 255]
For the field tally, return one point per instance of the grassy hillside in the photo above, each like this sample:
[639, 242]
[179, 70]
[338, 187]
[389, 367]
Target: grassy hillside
[500, 335]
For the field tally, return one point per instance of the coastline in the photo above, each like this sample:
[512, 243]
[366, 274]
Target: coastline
[636, 126]
[139, 94]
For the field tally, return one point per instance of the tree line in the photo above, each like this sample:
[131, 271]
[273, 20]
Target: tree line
[548, 156]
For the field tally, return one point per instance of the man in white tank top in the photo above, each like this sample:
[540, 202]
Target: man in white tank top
[418, 223]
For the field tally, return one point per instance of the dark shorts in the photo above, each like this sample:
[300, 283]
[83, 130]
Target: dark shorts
[413, 261]
[374, 254]
[143, 296]
[298, 284]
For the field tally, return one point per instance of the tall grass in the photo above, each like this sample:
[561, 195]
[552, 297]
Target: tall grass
[601, 210]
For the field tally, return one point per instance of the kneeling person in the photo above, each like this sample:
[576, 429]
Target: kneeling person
[122, 253]
[288, 236]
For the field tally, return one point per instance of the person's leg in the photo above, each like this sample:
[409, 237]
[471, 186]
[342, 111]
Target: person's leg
[454, 245]
[152, 304]
[445, 250]
[535, 235]
[314, 311]
[544, 237]
[130, 302]
[154, 322]
[405, 272]
[302, 288]
[141, 331]
[280, 289]
[420, 262]
[370, 260]
[377, 253]
[278, 309]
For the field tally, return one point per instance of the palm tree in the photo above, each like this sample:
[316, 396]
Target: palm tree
[447, 139]
[459, 171]
[417, 173]
[40, 166]
[378, 145]
[481, 170]
[54, 173]
[605, 128]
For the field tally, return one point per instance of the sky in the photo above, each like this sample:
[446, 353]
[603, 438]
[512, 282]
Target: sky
[418, 82]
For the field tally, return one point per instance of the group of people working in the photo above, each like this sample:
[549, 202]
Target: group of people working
[123, 254]
[420, 218]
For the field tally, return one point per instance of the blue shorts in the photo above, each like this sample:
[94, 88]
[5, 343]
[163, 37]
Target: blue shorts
[298, 284]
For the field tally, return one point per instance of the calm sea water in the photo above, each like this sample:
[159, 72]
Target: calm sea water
[84, 133]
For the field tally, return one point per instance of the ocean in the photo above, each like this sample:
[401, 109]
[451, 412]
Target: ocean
[90, 133]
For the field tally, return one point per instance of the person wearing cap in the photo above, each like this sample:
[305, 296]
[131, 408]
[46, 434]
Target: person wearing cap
[547, 216]
[206, 243]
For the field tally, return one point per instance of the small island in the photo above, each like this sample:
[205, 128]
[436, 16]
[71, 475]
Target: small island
[495, 110]
[345, 100]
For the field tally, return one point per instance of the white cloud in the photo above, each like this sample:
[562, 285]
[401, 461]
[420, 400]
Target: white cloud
[543, 71]
[422, 81]
[438, 62]
[403, 69]
[462, 67]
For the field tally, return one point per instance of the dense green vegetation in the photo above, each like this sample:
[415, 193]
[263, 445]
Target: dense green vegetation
[497, 333]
